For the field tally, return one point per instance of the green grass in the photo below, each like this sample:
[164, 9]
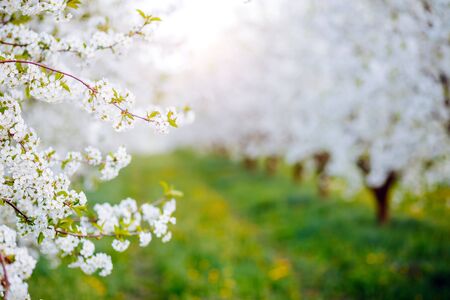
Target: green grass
[243, 235]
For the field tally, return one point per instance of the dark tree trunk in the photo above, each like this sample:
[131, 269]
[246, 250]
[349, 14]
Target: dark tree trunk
[321, 160]
[250, 163]
[382, 203]
[381, 193]
[272, 165]
[446, 91]
[221, 151]
[323, 185]
[382, 198]
[297, 172]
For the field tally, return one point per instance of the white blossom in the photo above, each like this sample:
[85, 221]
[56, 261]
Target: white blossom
[144, 238]
[120, 246]
[39, 207]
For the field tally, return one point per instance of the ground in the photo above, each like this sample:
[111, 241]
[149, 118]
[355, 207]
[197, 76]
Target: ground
[248, 235]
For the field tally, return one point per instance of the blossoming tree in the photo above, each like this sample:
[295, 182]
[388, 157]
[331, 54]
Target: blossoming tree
[361, 98]
[39, 210]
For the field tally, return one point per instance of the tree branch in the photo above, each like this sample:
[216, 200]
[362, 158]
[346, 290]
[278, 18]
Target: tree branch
[50, 69]
[25, 217]
[93, 90]
[92, 236]
[60, 231]
[13, 44]
[4, 281]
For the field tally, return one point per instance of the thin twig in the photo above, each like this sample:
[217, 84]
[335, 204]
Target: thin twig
[50, 69]
[13, 44]
[93, 90]
[17, 210]
[92, 236]
[4, 281]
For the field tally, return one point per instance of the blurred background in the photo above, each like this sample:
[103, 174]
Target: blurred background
[314, 161]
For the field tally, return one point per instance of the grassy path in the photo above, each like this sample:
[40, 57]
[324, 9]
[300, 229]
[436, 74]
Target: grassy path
[247, 236]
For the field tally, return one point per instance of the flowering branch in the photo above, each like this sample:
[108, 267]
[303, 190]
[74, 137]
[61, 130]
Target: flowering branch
[75, 234]
[81, 235]
[25, 217]
[92, 236]
[50, 69]
[152, 117]
[43, 206]
[13, 44]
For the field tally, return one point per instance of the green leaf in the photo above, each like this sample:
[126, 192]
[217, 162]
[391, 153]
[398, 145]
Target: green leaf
[21, 19]
[73, 4]
[65, 86]
[62, 193]
[172, 121]
[20, 68]
[96, 225]
[79, 210]
[165, 186]
[59, 76]
[169, 191]
[141, 13]
[27, 92]
[40, 238]
[175, 193]
[148, 18]
[155, 19]
[153, 114]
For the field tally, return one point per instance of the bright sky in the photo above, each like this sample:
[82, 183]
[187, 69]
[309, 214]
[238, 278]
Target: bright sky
[199, 23]
[196, 29]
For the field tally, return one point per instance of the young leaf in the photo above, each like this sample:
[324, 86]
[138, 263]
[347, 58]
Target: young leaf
[73, 4]
[40, 238]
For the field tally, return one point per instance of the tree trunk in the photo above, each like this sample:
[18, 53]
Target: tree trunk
[297, 172]
[321, 160]
[221, 152]
[323, 185]
[271, 165]
[250, 163]
[382, 208]
[381, 193]
[382, 198]
[446, 91]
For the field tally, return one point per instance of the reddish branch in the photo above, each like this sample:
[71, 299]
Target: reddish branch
[25, 217]
[60, 231]
[90, 88]
[50, 69]
[13, 44]
[81, 235]
[126, 112]
[110, 47]
[91, 236]
[19, 142]
[4, 281]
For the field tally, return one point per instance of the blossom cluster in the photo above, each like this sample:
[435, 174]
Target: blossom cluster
[110, 104]
[33, 7]
[39, 209]
[40, 195]
[22, 41]
[104, 101]
[108, 166]
[121, 221]
[16, 265]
